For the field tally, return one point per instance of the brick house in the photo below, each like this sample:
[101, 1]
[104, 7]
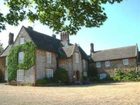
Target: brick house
[108, 61]
[51, 53]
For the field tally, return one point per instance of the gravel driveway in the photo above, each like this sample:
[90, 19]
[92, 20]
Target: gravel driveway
[99, 94]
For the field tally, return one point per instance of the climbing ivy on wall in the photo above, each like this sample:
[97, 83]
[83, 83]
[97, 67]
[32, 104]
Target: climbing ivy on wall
[29, 59]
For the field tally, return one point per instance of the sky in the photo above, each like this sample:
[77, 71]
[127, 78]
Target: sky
[122, 28]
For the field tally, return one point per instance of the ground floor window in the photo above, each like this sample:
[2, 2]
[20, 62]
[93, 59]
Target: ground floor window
[102, 76]
[49, 73]
[20, 75]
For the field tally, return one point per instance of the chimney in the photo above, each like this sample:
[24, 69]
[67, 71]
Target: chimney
[11, 38]
[91, 48]
[54, 36]
[30, 28]
[65, 38]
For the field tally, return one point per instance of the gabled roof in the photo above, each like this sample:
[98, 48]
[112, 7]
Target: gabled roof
[116, 53]
[84, 55]
[6, 51]
[44, 41]
[52, 44]
[69, 50]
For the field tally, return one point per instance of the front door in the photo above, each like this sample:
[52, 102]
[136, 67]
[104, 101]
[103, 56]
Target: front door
[77, 75]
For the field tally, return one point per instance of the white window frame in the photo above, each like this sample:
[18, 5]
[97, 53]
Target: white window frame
[49, 73]
[20, 57]
[21, 41]
[49, 57]
[20, 75]
[107, 64]
[125, 61]
[77, 59]
[98, 65]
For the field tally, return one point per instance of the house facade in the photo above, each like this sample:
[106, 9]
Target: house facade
[50, 54]
[108, 61]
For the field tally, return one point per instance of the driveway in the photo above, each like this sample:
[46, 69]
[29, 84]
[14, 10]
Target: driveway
[99, 94]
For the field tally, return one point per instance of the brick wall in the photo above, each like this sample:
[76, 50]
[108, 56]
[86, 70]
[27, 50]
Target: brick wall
[115, 65]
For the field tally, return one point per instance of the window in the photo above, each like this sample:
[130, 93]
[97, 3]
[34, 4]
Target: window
[85, 74]
[20, 57]
[125, 61]
[98, 64]
[6, 61]
[21, 41]
[76, 57]
[49, 57]
[102, 76]
[107, 63]
[49, 73]
[20, 75]
[84, 64]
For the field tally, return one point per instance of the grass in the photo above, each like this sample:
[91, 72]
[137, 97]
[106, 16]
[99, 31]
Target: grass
[126, 93]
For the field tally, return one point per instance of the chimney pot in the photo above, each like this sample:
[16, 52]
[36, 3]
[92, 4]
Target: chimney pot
[91, 48]
[54, 36]
[30, 28]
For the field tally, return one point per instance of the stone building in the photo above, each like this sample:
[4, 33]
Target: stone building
[51, 53]
[108, 61]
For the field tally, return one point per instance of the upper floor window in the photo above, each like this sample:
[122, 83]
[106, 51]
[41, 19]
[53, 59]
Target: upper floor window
[107, 63]
[49, 73]
[22, 40]
[49, 57]
[84, 64]
[77, 57]
[20, 57]
[125, 61]
[98, 64]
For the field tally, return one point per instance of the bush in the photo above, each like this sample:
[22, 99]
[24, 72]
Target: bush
[121, 75]
[61, 76]
[92, 73]
[44, 81]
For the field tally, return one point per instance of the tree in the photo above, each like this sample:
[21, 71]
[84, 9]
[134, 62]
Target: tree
[60, 15]
[1, 48]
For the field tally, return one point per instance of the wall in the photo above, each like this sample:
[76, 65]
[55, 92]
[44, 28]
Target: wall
[2, 68]
[42, 65]
[67, 65]
[77, 66]
[116, 64]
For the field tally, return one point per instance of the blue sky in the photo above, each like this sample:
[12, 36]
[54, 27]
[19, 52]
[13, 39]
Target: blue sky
[122, 28]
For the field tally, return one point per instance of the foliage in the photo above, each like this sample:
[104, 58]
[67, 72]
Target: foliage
[44, 81]
[92, 73]
[61, 76]
[1, 48]
[121, 75]
[60, 15]
[29, 59]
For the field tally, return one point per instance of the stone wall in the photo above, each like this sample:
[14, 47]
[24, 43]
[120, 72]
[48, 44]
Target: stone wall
[67, 65]
[42, 65]
[2, 68]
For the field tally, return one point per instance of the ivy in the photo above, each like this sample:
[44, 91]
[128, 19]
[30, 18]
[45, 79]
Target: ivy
[29, 59]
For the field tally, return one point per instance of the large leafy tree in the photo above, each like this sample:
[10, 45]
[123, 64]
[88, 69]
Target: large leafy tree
[60, 15]
[1, 48]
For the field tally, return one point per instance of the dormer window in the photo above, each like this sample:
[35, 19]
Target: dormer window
[21, 41]
[125, 61]
[107, 63]
[98, 64]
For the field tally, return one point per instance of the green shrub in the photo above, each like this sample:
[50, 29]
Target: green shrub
[61, 76]
[121, 75]
[92, 73]
[44, 81]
